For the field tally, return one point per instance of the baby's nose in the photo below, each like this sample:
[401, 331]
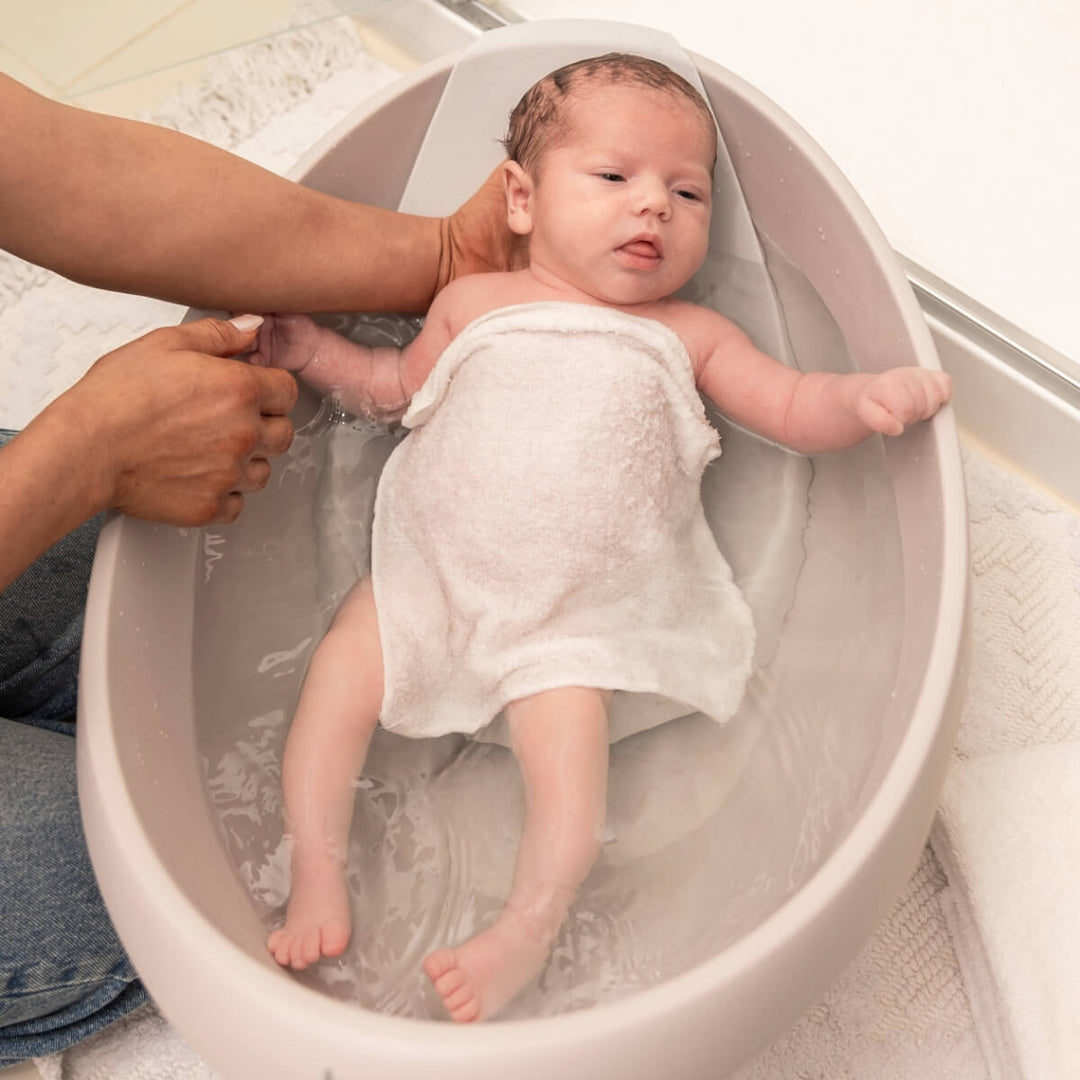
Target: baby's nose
[653, 197]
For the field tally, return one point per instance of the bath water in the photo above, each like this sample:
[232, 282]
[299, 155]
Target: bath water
[710, 828]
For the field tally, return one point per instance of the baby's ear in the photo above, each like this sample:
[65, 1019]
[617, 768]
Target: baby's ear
[519, 190]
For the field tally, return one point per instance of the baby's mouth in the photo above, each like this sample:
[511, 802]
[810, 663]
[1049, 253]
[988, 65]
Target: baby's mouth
[642, 249]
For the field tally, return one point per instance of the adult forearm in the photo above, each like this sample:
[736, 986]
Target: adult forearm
[137, 208]
[48, 486]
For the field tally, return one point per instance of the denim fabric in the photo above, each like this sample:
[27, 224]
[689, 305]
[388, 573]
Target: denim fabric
[41, 617]
[63, 972]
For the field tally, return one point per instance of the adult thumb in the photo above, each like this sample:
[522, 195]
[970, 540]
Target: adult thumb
[221, 337]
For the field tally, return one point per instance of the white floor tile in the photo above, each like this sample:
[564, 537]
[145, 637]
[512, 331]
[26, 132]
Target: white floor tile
[12, 65]
[139, 99]
[200, 28]
[63, 39]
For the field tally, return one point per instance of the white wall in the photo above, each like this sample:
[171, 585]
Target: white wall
[958, 121]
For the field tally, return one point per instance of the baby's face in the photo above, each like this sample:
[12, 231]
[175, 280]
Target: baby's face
[620, 207]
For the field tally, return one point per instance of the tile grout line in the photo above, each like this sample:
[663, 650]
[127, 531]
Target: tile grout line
[66, 88]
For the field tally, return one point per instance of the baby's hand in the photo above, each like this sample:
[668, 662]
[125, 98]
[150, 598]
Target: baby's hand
[286, 341]
[363, 380]
[901, 396]
[321, 358]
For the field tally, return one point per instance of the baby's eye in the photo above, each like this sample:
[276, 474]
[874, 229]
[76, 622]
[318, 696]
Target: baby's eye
[690, 196]
[612, 176]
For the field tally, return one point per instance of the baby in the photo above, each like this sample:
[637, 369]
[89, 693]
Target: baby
[539, 541]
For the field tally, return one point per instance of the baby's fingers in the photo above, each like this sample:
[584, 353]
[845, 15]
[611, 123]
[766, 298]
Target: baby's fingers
[877, 417]
[939, 390]
[919, 393]
[281, 342]
[903, 396]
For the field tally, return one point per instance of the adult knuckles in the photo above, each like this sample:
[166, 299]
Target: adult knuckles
[243, 443]
[230, 508]
[228, 477]
[286, 384]
[204, 511]
[278, 434]
[239, 382]
[276, 388]
[258, 474]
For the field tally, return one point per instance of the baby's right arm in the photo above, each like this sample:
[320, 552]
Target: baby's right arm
[375, 382]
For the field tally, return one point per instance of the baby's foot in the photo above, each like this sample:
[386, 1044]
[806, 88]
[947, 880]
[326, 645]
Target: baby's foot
[477, 979]
[317, 920]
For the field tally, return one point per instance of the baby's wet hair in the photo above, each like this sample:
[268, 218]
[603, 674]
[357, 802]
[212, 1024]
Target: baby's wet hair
[540, 119]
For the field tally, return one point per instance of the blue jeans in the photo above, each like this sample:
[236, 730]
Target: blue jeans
[63, 972]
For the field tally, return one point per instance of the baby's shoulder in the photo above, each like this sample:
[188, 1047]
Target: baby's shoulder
[693, 318]
[467, 298]
[700, 329]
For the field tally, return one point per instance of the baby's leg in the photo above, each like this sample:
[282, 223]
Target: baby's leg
[324, 754]
[560, 738]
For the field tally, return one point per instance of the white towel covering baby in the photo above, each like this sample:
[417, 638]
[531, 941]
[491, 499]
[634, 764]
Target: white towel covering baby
[541, 526]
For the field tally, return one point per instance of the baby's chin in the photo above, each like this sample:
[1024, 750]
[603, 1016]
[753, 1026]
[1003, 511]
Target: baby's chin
[629, 287]
[620, 289]
[632, 293]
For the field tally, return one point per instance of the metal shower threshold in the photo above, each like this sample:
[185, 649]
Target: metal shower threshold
[1012, 393]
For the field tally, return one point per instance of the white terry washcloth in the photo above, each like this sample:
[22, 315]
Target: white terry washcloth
[541, 526]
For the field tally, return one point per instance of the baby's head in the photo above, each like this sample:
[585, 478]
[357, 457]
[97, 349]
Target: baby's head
[610, 175]
[543, 116]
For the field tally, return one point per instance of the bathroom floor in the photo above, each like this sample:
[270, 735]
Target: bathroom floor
[125, 56]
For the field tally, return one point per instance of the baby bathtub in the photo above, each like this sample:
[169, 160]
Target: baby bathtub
[189, 924]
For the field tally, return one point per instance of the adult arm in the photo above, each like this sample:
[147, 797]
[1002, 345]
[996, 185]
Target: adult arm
[137, 208]
[165, 428]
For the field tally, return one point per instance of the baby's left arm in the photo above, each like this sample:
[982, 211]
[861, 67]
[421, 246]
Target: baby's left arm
[809, 412]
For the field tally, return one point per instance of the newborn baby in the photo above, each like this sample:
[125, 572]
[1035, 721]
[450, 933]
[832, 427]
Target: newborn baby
[539, 541]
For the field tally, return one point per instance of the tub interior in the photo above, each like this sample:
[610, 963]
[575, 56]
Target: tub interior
[711, 829]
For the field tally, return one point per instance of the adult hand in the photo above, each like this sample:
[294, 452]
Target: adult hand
[182, 431]
[476, 238]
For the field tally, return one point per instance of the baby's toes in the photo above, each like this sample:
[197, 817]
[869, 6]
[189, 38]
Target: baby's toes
[334, 936]
[450, 984]
[307, 949]
[438, 963]
[467, 1009]
[278, 946]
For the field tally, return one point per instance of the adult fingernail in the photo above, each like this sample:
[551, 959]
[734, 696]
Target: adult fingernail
[244, 323]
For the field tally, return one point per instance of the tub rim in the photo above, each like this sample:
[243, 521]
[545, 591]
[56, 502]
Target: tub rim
[855, 854]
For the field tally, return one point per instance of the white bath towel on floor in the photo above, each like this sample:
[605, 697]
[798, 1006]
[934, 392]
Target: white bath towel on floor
[1008, 830]
[541, 526]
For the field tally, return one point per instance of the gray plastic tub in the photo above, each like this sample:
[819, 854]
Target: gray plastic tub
[863, 631]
